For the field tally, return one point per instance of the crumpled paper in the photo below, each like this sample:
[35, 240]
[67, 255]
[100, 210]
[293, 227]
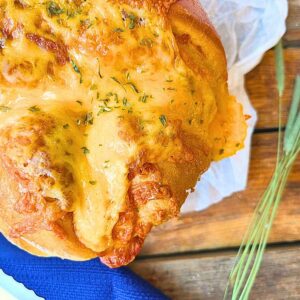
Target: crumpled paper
[248, 28]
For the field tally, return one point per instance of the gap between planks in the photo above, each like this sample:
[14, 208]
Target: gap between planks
[204, 276]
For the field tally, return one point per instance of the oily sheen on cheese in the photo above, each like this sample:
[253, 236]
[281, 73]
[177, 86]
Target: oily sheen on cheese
[109, 113]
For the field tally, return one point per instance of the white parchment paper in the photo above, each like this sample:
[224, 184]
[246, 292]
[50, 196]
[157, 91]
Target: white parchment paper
[248, 28]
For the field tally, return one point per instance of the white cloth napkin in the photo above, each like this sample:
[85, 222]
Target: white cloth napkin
[248, 28]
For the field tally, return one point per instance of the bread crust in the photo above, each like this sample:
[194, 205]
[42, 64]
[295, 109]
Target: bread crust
[188, 20]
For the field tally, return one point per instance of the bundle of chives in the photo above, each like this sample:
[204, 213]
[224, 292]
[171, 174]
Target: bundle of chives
[250, 255]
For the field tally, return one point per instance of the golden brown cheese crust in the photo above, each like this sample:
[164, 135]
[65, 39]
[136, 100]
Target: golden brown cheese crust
[109, 112]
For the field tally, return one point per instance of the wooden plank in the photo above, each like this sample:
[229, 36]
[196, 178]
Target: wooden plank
[292, 37]
[223, 225]
[205, 276]
[261, 87]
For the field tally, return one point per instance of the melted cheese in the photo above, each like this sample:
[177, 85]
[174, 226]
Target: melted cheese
[122, 91]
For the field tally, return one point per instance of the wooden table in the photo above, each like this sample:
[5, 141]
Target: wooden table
[190, 258]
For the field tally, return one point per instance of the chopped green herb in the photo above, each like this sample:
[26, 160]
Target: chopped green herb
[85, 150]
[75, 66]
[92, 182]
[98, 95]
[237, 145]
[116, 80]
[4, 108]
[76, 69]
[53, 9]
[66, 126]
[99, 70]
[104, 109]
[79, 102]
[89, 119]
[132, 22]
[107, 161]
[144, 98]
[172, 101]
[125, 101]
[100, 145]
[134, 88]
[128, 76]
[78, 122]
[169, 80]
[67, 153]
[163, 120]
[118, 29]
[34, 108]
[221, 151]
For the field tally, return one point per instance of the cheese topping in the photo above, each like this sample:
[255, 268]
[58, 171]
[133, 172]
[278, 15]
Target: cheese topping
[105, 85]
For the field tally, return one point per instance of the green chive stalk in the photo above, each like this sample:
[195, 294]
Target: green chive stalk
[250, 255]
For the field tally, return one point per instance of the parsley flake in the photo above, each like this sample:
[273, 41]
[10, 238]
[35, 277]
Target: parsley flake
[134, 88]
[53, 9]
[163, 120]
[85, 150]
[34, 108]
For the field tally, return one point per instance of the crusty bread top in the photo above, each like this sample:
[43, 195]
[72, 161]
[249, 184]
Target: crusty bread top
[111, 110]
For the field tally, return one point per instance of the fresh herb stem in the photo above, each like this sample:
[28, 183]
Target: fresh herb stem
[250, 254]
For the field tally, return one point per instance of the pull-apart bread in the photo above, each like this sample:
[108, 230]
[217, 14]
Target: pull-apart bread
[109, 113]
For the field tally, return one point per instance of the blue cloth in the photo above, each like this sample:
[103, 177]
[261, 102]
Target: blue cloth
[57, 279]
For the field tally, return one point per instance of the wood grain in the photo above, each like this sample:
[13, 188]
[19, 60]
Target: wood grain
[292, 37]
[261, 87]
[224, 224]
[197, 277]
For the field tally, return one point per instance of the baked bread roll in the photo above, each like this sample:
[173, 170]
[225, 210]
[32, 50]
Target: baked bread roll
[109, 113]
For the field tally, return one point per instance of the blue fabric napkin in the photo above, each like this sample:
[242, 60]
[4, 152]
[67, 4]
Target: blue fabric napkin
[57, 279]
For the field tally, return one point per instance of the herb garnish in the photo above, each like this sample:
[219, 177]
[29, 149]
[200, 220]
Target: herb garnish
[132, 22]
[163, 120]
[85, 150]
[89, 119]
[116, 80]
[66, 126]
[134, 88]
[143, 98]
[118, 29]
[53, 9]
[125, 101]
[79, 102]
[92, 182]
[76, 69]
[99, 70]
[104, 109]
[34, 108]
